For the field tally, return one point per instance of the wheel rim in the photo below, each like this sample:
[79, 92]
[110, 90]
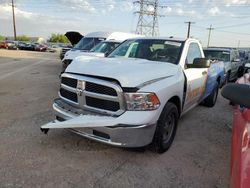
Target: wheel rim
[168, 128]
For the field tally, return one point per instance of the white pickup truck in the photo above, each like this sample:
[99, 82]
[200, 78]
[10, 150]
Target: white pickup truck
[136, 95]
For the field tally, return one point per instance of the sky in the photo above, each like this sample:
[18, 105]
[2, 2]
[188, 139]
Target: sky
[39, 18]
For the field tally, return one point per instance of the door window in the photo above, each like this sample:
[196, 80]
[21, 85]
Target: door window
[193, 52]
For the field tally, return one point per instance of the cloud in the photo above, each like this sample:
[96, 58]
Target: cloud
[237, 2]
[6, 12]
[214, 11]
[83, 5]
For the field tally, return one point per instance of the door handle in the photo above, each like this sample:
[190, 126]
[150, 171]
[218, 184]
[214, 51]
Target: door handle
[204, 73]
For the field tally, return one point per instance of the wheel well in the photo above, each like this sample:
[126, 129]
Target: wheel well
[176, 100]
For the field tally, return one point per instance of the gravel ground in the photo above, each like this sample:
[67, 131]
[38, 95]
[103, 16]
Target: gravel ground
[199, 156]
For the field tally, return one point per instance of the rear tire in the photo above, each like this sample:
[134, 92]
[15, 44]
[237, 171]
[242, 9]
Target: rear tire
[212, 98]
[166, 128]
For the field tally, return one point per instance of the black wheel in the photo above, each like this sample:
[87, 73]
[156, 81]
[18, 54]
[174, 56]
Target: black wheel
[166, 128]
[212, 98]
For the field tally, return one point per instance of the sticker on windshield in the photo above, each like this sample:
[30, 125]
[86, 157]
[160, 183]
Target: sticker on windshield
[173, 43]
[227, 53]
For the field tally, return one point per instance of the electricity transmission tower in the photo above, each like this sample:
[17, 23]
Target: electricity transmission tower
[148, 17]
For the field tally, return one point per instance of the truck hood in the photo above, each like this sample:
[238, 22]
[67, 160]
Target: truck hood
[130, 72]
[73, 36]
[72, 54]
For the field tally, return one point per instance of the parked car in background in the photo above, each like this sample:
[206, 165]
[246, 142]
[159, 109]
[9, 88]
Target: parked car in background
[40, 47]
[136, 95]
[20, 45]
[74, 37]
[231, 59]
[11, 45]
[3, 45]
[29, 47]
[90, 46]
[239, 94]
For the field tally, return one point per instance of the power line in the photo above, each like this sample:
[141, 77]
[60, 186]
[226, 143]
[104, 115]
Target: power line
[14, 19]
[209, 34]
[236, 25]
[189, 28]
[148, 17]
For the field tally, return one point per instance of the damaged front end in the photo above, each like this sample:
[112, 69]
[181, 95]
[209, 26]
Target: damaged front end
[95, 109]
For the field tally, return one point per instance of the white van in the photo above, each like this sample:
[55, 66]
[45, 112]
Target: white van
[96, 44]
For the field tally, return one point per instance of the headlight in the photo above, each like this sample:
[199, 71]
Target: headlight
[141, 101]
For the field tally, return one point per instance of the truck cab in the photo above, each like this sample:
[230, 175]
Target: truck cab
[137, 94]
[230, 58]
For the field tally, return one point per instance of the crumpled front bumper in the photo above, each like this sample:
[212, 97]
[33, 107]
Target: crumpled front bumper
[131, 129]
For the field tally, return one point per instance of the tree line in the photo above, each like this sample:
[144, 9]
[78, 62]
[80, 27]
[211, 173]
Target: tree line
[54, 37]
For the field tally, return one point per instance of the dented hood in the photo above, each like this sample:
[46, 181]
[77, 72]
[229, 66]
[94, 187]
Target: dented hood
[130, 72]
[73, 36]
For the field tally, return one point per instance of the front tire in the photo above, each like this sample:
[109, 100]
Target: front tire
[212, 98]
[166, 128]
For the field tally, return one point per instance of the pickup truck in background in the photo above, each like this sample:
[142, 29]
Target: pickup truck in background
[137, 94]
[74, 37]
[230, 57]
[90, 46]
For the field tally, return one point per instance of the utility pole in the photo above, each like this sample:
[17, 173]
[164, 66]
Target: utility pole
[148, 17]
[209, 35]
[189, 27]
[238, 44]
[14, 19]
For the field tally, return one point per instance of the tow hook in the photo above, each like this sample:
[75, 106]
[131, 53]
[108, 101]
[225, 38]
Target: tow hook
[45, 131]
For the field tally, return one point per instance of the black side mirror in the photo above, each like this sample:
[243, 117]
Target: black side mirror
[200, 63]
[237, 94]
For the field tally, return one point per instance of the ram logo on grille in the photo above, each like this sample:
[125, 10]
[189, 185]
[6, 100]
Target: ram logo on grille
[80, 87]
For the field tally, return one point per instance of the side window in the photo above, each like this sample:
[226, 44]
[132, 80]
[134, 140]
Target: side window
[193, 52]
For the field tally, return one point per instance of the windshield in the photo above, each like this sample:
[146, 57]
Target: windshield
[87, 43]
[219, 55]
[105, 47]
[150, 49]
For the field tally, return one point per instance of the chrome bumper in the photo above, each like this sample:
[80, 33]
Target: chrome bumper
[119, 135]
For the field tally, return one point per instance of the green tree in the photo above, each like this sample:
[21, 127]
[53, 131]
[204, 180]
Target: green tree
[22, 38]
[2, 37]
[56, 37]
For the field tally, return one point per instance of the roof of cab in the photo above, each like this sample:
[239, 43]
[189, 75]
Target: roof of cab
[118, 36]
[219, 49]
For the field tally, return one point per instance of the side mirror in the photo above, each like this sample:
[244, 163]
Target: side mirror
[237, 94]
[200, 63]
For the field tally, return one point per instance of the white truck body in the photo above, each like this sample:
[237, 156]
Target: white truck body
[170, 82]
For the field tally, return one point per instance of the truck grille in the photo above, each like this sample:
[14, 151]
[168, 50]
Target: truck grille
[96, 88]
[68, 95]
[71, 82]
[92, 94]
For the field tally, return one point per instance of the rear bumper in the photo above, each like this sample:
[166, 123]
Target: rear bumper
[128, 132]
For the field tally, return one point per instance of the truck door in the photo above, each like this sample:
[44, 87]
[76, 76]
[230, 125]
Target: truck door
[196, 77]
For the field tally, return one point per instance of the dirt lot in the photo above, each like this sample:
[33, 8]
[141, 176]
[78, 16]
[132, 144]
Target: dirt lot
[199, 156]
